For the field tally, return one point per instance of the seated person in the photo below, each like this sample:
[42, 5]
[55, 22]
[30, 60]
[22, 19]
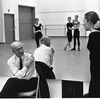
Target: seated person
[44, 58]
[24, 73]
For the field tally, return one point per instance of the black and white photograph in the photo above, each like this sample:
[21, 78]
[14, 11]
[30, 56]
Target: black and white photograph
[49, 49]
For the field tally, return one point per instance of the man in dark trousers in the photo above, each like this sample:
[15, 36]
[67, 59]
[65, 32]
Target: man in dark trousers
[24, 77]
[76, 25]
[44, 58]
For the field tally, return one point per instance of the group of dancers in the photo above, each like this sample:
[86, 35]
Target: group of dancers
[38, 27]
[73, 26]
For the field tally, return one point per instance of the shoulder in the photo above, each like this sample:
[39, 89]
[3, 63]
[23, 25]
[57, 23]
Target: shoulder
[39, 49]
[11, 59]
[67, 24]
[45, 48]
[94, 35]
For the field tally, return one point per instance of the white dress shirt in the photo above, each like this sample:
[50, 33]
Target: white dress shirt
[44, 54]
[24, 73]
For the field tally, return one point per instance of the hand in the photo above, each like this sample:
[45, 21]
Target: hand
[53, 51]
[29, 61]
[39, 30]
[20, 74]
[14, 76]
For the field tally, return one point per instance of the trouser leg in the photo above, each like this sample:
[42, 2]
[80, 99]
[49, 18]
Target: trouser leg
[78, 40]
[8, 90]
[43, 86]
[37, 40]
[46, 70]
[74, 41]
[14, 86]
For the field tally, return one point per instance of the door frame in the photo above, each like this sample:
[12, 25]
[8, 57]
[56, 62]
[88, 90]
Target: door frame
[13, 26]
[33, 18]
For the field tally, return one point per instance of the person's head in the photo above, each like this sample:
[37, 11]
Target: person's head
[45, 40]
[17, 48]
[36, 20]
[90, 19]
[69, 19]
[76, 17]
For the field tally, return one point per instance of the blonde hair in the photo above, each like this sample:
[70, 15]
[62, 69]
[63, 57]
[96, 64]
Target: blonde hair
[97, 25]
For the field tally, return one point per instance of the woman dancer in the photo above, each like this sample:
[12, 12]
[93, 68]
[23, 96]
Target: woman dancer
[69, 33]
[37, 28]
[90, 20]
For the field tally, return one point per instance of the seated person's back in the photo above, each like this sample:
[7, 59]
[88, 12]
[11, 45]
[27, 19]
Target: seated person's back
[44, 57]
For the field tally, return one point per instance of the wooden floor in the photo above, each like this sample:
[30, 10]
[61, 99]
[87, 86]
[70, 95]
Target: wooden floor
[68, 65]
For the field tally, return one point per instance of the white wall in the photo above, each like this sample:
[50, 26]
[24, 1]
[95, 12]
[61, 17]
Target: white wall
[93, 5]
[48, 11]
[1, 23]
[51, 12]
[13, 6]
[56, 11]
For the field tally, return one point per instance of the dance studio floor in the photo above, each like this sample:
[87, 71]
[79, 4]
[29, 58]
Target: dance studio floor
[68, 65]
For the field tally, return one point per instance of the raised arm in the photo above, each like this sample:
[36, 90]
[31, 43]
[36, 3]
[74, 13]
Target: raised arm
[21, 73]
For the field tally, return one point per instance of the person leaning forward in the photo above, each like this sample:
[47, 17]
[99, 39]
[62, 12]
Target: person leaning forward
[24, 77]
[44, 58]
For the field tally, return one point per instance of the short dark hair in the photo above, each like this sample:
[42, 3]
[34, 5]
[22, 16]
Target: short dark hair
[92, 16]
[69, 17]
[76, 15]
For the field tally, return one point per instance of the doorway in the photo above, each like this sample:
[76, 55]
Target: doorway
[9, 28]
[26, 21]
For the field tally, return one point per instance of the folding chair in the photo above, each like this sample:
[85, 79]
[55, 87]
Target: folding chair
[31, 94]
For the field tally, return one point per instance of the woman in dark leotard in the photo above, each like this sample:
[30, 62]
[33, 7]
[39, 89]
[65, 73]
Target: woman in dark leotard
[69, 32]
[37, 28]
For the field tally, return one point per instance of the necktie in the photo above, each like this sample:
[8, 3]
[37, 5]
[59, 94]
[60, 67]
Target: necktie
[21, 64]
